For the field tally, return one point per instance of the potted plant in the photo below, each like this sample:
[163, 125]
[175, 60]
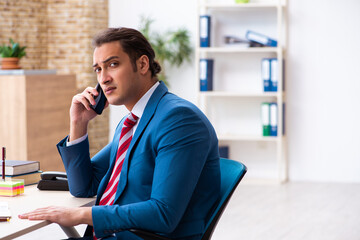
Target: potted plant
[11, 55]
[172, 47]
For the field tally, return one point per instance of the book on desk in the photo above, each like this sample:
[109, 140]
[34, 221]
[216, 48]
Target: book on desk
[29, 171]
[16, 167]
[29, 178]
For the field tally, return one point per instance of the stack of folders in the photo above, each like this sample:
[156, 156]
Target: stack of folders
[205, 30]
[29, 171]
[269, 118]
[270, 74]
[206, 74]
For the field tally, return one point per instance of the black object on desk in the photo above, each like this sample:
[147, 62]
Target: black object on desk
[53, 181]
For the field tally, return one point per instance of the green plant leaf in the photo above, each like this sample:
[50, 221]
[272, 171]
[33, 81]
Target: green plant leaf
[15, 50]
[8, 51]
[22, 52]
[12, 50]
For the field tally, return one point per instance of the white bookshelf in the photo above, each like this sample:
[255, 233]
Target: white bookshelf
[238, 94]
[234, 104]
[238, 50]
[229, 137]
[233, 5]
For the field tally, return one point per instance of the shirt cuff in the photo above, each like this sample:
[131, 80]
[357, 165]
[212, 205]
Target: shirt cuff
[76, 141]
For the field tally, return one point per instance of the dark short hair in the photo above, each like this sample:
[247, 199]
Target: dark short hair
[133, 43]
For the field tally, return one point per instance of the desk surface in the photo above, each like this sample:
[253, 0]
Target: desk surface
[30, 200]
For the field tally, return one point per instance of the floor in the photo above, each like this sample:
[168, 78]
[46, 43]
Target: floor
[292, 211]
[311, 211]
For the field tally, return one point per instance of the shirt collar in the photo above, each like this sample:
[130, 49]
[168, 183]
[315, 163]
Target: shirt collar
[139, 107]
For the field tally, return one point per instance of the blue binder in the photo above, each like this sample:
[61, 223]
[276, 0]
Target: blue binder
[260, 38]
[205, 28]
[273, 119]
[274, 71]
[224, 151]
[206, 74]
[265, 72]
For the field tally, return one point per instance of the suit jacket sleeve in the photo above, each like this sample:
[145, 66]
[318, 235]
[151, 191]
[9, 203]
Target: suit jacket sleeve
[84, 175]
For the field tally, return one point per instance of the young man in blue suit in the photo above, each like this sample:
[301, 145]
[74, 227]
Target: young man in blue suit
[165, 177]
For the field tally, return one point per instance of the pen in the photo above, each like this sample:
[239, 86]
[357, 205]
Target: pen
[3, 163]
[6, 219]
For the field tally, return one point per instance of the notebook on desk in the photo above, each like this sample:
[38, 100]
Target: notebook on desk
[16, 167]
[5, 213]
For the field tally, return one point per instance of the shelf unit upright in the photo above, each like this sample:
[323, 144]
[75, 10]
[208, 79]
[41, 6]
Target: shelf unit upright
[234, 104]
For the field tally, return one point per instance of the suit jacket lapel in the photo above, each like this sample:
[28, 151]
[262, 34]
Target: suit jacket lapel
[149, 111]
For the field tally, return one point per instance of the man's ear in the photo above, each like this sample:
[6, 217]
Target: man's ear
[143, 64]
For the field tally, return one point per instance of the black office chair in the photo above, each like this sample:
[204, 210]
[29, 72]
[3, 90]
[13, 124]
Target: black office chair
[231, 174]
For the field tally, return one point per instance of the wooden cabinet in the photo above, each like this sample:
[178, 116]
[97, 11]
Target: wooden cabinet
[34, 116]
[234, 103]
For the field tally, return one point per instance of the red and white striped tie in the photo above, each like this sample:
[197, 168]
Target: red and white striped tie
[125, 138]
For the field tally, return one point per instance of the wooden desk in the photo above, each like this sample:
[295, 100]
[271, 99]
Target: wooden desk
[30, 200]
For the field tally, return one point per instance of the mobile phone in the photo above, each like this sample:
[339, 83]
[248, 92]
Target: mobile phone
[100, 100]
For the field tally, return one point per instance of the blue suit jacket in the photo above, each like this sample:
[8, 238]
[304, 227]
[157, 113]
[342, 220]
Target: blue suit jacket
[170, 178]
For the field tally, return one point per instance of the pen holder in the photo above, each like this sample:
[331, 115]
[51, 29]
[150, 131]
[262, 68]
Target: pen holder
[11, 188]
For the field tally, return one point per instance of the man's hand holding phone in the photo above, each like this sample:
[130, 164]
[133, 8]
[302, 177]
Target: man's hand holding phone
[100, 100]
[84, 107]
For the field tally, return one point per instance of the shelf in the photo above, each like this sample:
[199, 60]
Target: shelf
[239, 49]
[238, 94]
[237, 77]
[233, 6]
[227, 137]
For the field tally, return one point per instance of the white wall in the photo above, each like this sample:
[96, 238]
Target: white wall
[323, 85]
[322, 80]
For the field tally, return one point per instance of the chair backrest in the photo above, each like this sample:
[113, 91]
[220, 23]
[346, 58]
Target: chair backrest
[231, 174]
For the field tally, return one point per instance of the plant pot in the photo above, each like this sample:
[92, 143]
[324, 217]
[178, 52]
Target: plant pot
[10, 63]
